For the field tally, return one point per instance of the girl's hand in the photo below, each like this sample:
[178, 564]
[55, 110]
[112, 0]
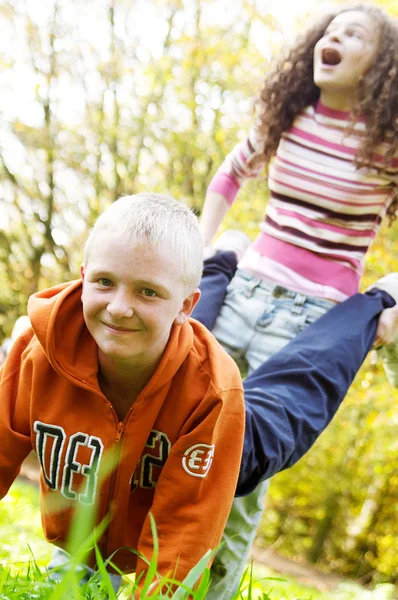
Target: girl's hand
[387, 329]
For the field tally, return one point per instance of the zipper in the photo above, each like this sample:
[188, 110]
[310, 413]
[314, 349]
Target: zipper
[116, 455]
[119, 432]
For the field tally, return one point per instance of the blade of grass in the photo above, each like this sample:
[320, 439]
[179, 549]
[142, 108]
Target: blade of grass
[104, 575]
[193, 576]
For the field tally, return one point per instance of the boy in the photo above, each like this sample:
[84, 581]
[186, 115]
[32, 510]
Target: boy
[111, 366]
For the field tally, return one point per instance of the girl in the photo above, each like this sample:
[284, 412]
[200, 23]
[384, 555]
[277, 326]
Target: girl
[328, 117]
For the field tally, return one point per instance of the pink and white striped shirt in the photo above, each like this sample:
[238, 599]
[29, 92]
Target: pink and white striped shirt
[323, 212]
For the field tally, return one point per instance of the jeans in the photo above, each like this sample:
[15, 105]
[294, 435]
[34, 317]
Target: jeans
[257, 319]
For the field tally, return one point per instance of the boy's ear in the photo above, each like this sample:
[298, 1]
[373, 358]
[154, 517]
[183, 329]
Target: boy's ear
[187, 307]
[82, 278]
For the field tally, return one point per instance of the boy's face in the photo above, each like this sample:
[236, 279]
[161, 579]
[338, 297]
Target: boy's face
[132, 295]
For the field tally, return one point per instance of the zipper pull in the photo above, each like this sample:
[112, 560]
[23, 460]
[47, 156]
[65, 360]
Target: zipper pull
[119, 432]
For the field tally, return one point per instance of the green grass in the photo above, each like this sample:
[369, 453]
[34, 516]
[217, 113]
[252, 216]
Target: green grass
[24, 554]
[20, 527]
[281, 587]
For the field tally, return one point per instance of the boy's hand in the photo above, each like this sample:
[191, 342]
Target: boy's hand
[387, 329]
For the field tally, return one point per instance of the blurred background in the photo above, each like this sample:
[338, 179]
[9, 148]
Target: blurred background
[101, 98]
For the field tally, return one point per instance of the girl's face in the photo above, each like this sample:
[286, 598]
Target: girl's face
[342, 56]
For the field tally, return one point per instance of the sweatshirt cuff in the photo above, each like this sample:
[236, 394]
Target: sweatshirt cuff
[388, 284]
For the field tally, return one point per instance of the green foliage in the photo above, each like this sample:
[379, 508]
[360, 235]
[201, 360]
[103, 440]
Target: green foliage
[20, 526]
[34, 583]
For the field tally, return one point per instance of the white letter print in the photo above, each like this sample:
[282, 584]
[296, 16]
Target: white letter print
[197, 460]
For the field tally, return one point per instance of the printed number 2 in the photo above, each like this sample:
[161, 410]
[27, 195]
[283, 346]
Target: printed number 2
[143, 475]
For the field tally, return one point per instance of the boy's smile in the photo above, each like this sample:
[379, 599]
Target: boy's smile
[115, 329]
[132, 295]
[342, 56]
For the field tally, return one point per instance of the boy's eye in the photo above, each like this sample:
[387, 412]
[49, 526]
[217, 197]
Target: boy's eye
[105, 282]
[149, 293]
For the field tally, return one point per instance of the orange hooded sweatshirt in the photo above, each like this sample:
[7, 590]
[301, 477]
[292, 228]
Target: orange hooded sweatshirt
[177, 452]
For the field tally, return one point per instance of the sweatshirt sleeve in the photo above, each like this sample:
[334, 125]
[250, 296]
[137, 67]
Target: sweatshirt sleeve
[15, 439]
[292, 397]
[234, 171]
[195, 490]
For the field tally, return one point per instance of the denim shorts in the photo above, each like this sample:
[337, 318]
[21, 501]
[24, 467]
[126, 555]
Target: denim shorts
[258, 318]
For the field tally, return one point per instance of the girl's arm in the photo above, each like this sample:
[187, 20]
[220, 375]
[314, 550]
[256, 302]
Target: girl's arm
[214, 210]
[226, 183]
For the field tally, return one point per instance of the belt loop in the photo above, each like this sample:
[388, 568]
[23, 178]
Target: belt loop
[251, 286]
[299, 301]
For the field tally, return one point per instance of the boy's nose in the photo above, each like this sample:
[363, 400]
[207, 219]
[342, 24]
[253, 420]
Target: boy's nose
[121, 305]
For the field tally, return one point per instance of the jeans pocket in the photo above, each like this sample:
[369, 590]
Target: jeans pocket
[290, 319]
[296, 323]
[282, 322]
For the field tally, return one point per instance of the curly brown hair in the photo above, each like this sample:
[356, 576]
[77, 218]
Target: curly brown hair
[290, 87]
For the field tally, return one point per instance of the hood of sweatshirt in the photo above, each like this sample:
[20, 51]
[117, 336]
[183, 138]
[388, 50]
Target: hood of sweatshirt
[57, 320]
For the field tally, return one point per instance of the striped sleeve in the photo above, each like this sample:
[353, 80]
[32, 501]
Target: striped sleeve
[234, 171]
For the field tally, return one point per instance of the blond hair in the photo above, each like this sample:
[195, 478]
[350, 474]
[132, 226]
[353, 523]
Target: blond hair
[153, 218]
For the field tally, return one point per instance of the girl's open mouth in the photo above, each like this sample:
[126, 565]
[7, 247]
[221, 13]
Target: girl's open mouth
[331, 56]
